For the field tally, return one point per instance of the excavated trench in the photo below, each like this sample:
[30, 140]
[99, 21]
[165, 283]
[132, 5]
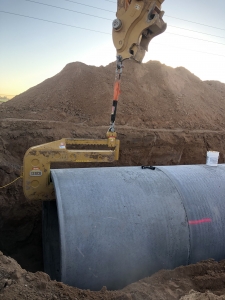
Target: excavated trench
[20, 222]
[166, 117]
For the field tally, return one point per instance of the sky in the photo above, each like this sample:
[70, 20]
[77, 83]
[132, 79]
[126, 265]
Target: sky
[32, 50]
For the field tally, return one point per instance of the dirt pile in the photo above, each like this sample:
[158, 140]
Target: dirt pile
[165, 116]
[185, 283]
[153, 96]
[193, 295]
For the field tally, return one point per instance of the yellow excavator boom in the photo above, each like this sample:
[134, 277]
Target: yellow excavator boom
[137, 23]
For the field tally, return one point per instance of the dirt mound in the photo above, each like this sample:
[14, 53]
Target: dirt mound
[193, 295]
[153, 96]
[17, 283]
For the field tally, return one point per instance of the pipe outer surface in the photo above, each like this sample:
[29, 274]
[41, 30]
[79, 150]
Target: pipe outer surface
[202, 190]
[113, 226]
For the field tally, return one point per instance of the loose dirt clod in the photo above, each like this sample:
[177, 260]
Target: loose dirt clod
[165, 116]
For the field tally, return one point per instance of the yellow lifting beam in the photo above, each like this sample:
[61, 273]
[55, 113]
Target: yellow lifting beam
[37, 162]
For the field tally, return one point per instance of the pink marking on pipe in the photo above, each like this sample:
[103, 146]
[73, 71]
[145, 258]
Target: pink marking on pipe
[196, 222]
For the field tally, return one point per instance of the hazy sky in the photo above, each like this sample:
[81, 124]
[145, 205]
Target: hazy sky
[33, 50]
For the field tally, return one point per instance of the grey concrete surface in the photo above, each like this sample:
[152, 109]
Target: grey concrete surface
[113, 226]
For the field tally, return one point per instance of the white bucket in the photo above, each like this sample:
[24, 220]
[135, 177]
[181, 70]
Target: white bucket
[212, 158]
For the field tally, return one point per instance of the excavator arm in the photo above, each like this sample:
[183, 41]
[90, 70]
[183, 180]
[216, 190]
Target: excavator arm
[137, 23]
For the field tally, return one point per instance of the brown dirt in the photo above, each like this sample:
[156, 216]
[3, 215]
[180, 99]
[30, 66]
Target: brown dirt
[165, 116]
[17, 283]
[153, 96]
[193, 295]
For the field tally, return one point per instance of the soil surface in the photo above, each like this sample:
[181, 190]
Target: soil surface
[192, 282]
[153, 96]
[165, 116]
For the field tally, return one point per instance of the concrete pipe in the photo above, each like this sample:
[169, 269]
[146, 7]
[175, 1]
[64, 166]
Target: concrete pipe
[113, 226]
